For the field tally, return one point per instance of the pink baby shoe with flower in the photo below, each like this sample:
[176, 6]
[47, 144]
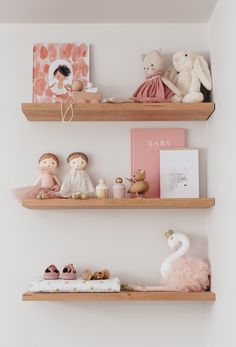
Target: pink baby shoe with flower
[51, 273]
[69, 272]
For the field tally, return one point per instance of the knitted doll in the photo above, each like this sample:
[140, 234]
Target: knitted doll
[77, 184]
[47, 184]
[156, 88]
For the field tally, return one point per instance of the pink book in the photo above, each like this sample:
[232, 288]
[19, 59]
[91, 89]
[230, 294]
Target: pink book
[145, 152]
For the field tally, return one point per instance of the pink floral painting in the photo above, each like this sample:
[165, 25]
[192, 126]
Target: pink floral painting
[55, 67]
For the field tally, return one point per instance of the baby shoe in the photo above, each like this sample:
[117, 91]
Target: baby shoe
[69, 272]
[51, 273]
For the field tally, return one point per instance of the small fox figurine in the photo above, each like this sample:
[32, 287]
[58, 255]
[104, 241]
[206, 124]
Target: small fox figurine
[138, 183]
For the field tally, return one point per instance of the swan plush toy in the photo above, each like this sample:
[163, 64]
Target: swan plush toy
[178, 272]
[189, 72]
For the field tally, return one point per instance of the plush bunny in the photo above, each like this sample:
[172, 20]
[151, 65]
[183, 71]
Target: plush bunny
[156, 88]
[189, 72]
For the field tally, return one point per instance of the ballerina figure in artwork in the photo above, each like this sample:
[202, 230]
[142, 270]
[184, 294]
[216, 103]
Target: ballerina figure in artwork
[47, 184]
[179, 273]
[61, 86]
[77, 184]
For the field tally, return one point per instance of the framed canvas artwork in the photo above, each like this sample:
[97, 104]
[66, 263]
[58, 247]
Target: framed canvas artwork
[179, 173]
[55, 66]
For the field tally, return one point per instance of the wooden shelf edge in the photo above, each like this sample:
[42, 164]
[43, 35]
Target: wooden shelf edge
[146, 203]
[122, 112]
[122, 296]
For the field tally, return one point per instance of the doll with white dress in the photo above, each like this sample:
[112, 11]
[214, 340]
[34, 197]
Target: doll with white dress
[77, 184]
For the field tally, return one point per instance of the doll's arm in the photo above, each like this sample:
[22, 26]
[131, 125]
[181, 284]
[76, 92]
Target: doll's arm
[171, 86]
[68, 86]
[52, 85]
[38, 181]
[56, 179]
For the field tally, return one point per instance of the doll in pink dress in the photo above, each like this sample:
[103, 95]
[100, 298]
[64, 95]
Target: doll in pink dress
[156, 87]
[47, 184]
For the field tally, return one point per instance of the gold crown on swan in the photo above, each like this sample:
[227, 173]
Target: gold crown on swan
[169, 233]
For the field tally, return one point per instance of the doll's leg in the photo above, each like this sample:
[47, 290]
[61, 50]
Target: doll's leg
[41, 193]
[82, 196]
[55, 188]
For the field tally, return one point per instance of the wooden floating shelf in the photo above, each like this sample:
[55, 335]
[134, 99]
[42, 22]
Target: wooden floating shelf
[121, 112]
[148, 203]
[122, 296]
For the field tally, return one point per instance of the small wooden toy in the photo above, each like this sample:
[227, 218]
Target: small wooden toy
[118, 189]
[99, 275]
[138, 183]
[77, 86]
[88, 94]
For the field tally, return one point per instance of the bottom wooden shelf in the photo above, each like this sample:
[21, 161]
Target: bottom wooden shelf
[122, 296]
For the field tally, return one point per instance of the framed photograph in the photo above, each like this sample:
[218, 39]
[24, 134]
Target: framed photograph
[55, 66]
[179, 173]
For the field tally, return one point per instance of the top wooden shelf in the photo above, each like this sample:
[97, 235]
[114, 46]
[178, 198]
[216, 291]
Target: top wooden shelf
[121, 112]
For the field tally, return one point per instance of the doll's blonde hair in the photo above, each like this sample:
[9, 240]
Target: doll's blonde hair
[49, 156]
[77, 155]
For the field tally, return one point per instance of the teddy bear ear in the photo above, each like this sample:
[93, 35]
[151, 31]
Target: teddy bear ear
[143, 56]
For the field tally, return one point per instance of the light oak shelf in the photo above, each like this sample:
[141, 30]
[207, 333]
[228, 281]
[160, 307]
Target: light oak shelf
[122, 296]
[121, 112]
[145, 203]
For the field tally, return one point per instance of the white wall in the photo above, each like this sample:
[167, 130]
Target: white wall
[130, 243]
[221, 175]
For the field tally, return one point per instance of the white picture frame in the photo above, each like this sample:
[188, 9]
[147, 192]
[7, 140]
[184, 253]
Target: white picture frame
[179, 173]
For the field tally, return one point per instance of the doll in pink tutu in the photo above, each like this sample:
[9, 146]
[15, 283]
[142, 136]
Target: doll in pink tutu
[156, 88]
[47, 184]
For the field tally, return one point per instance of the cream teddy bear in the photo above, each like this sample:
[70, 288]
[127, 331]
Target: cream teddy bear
[189, 72]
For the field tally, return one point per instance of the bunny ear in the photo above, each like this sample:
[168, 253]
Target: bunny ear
[203, 72]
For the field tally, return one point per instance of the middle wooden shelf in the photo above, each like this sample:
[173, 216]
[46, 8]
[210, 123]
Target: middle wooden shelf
[145, 203]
